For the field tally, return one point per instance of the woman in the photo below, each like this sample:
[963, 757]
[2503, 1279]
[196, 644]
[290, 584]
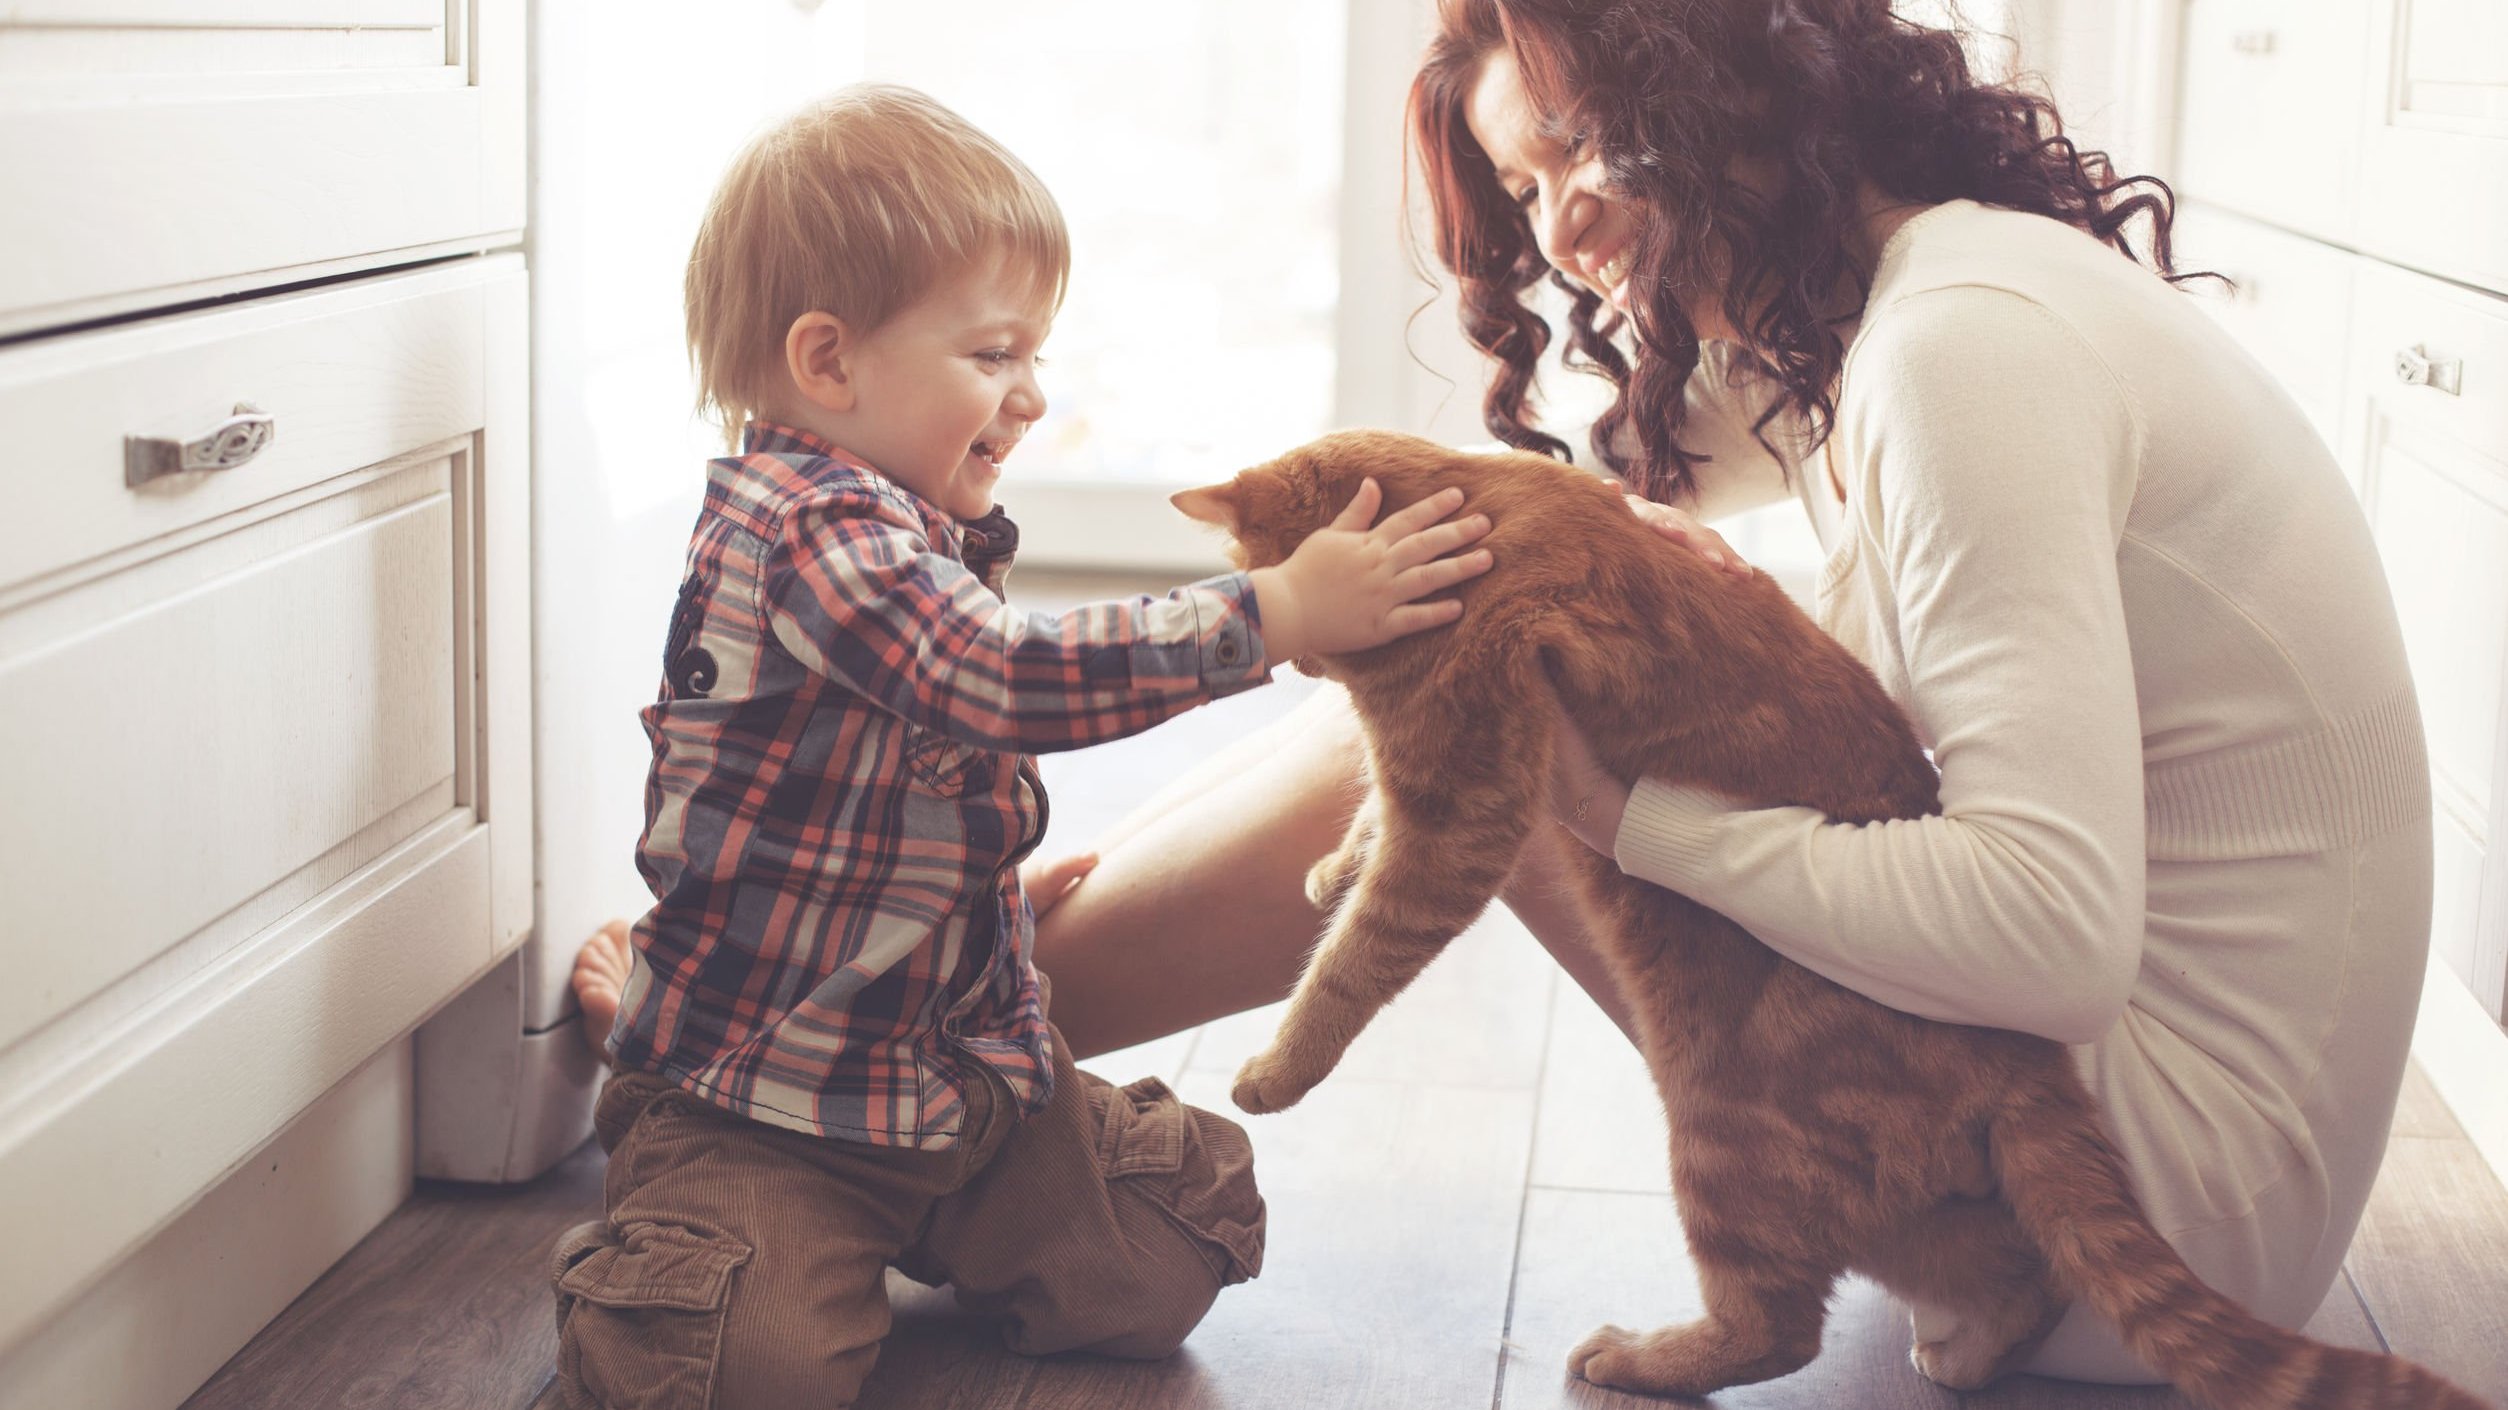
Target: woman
[2103, 563]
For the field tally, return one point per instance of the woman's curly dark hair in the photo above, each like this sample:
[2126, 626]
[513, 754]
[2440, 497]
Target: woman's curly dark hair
[1676, 96]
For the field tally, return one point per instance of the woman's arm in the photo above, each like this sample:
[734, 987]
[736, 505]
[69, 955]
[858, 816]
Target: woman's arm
[1994, 456]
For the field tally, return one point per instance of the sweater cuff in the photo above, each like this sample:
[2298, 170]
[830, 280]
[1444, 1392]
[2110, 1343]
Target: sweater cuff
[1668, 834]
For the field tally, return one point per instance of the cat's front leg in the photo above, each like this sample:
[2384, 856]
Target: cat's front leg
[1416, 890]
[1276, 1080]
[1325, 1016]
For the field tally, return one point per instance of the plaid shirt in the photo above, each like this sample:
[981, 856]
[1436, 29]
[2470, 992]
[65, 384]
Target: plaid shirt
[840, 795]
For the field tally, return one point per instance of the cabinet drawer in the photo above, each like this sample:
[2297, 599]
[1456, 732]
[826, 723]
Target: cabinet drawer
[2270, 109]
[216, 720]
[2289, 309]
[351, 376]
[161, 150]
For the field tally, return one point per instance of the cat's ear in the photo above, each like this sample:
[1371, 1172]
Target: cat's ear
[1211, 504]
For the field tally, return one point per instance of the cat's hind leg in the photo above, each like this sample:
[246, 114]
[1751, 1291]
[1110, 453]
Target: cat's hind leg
[1764, 1314]
[1977, 1287]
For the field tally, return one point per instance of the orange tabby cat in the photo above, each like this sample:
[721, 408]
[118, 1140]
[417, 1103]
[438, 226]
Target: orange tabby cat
[1813, 1130]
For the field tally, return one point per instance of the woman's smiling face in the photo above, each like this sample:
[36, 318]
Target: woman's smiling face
[1581, 228]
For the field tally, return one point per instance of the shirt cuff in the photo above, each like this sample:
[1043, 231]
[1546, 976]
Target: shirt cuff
[1668, 834]
[1206, 638]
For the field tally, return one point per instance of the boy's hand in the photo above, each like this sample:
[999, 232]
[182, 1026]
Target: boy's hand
[1350, 587]
[1048, 882]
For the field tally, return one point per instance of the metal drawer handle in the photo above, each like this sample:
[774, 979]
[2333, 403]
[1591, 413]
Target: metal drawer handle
[2253, 41]
[232, 442]
[2414, 367]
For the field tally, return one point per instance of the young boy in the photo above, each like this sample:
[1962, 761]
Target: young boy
[831, 1048]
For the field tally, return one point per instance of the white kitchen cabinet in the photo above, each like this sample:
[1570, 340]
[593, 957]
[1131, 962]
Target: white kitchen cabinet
[265, 652]
[2347, 160]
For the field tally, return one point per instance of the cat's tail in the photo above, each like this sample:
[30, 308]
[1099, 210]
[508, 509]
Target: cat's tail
[2069, 1188]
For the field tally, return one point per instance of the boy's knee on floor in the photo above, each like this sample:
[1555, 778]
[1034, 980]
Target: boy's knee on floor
[1158, 1336]
[1144, 1320]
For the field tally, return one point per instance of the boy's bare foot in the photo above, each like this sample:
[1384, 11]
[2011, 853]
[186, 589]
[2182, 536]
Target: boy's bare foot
[600, 977]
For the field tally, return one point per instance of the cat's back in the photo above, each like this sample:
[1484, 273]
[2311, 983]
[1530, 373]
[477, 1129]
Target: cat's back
[1562, 537]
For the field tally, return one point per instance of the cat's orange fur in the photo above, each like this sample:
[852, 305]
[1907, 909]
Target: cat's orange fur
[1813, 1131]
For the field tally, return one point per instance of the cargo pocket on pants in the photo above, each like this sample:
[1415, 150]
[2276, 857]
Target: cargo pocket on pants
[640, 1317]
[1194, 1167]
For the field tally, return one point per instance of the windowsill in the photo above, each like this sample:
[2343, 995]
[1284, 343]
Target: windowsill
[1109, 524]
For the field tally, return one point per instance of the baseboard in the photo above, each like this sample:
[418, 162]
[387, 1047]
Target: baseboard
[164, 1320]
[2465, 1055]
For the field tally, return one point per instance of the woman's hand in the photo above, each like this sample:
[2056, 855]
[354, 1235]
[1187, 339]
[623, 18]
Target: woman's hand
[1683, 529]
[1588, 798]
[1350, 586]
[1048, 882]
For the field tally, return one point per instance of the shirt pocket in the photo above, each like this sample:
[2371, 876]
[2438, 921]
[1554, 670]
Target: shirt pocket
[947, 767]
[640, 1317]
[712, 651]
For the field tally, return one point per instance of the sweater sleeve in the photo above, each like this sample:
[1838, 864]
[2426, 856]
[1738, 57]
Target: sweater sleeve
[1994, 456]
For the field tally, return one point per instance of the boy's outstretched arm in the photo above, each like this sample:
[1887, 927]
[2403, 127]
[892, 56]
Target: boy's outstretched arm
[855, 591]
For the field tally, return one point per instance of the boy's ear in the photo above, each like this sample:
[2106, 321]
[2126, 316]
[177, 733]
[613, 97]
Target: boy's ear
[1211, 504]
[815, 350]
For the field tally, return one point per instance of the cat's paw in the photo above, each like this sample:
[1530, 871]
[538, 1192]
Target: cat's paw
[1327, 880]
[1267, 1083]
[1607, 1357]
[1953, 1365]
[1974, 1350]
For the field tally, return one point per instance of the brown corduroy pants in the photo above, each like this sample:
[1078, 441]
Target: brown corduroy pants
[742, 1265]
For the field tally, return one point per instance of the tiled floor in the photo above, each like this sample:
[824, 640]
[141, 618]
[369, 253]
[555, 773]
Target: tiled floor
[1478, 1186]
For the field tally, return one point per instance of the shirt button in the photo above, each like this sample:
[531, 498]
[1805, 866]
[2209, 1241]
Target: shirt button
[1227, 653]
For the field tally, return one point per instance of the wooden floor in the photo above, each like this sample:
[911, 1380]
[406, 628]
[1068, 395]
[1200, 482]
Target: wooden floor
[1478, 1186]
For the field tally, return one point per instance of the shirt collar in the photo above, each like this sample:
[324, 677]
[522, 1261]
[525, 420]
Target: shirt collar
[760, 437]
[776, 438]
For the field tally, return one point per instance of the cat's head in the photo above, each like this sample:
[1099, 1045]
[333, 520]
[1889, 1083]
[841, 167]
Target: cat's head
[1270, 509]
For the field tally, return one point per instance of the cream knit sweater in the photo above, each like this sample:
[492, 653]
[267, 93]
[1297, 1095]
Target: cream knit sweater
[2133, 608]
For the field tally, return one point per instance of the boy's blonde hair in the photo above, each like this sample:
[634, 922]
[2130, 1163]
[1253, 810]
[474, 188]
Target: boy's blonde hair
[856, 206]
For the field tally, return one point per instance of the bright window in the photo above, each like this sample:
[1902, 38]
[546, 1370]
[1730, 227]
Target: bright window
[1196, 152]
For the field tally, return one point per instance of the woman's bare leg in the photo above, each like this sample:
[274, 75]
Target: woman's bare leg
[1198, 908]
[1542, 893]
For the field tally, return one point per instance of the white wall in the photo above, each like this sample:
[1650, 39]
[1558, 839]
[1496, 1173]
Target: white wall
[637, 107]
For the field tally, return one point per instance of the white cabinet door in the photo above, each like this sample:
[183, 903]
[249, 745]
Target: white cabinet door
[2434, 156]
[155, 151]
[2429, 429]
